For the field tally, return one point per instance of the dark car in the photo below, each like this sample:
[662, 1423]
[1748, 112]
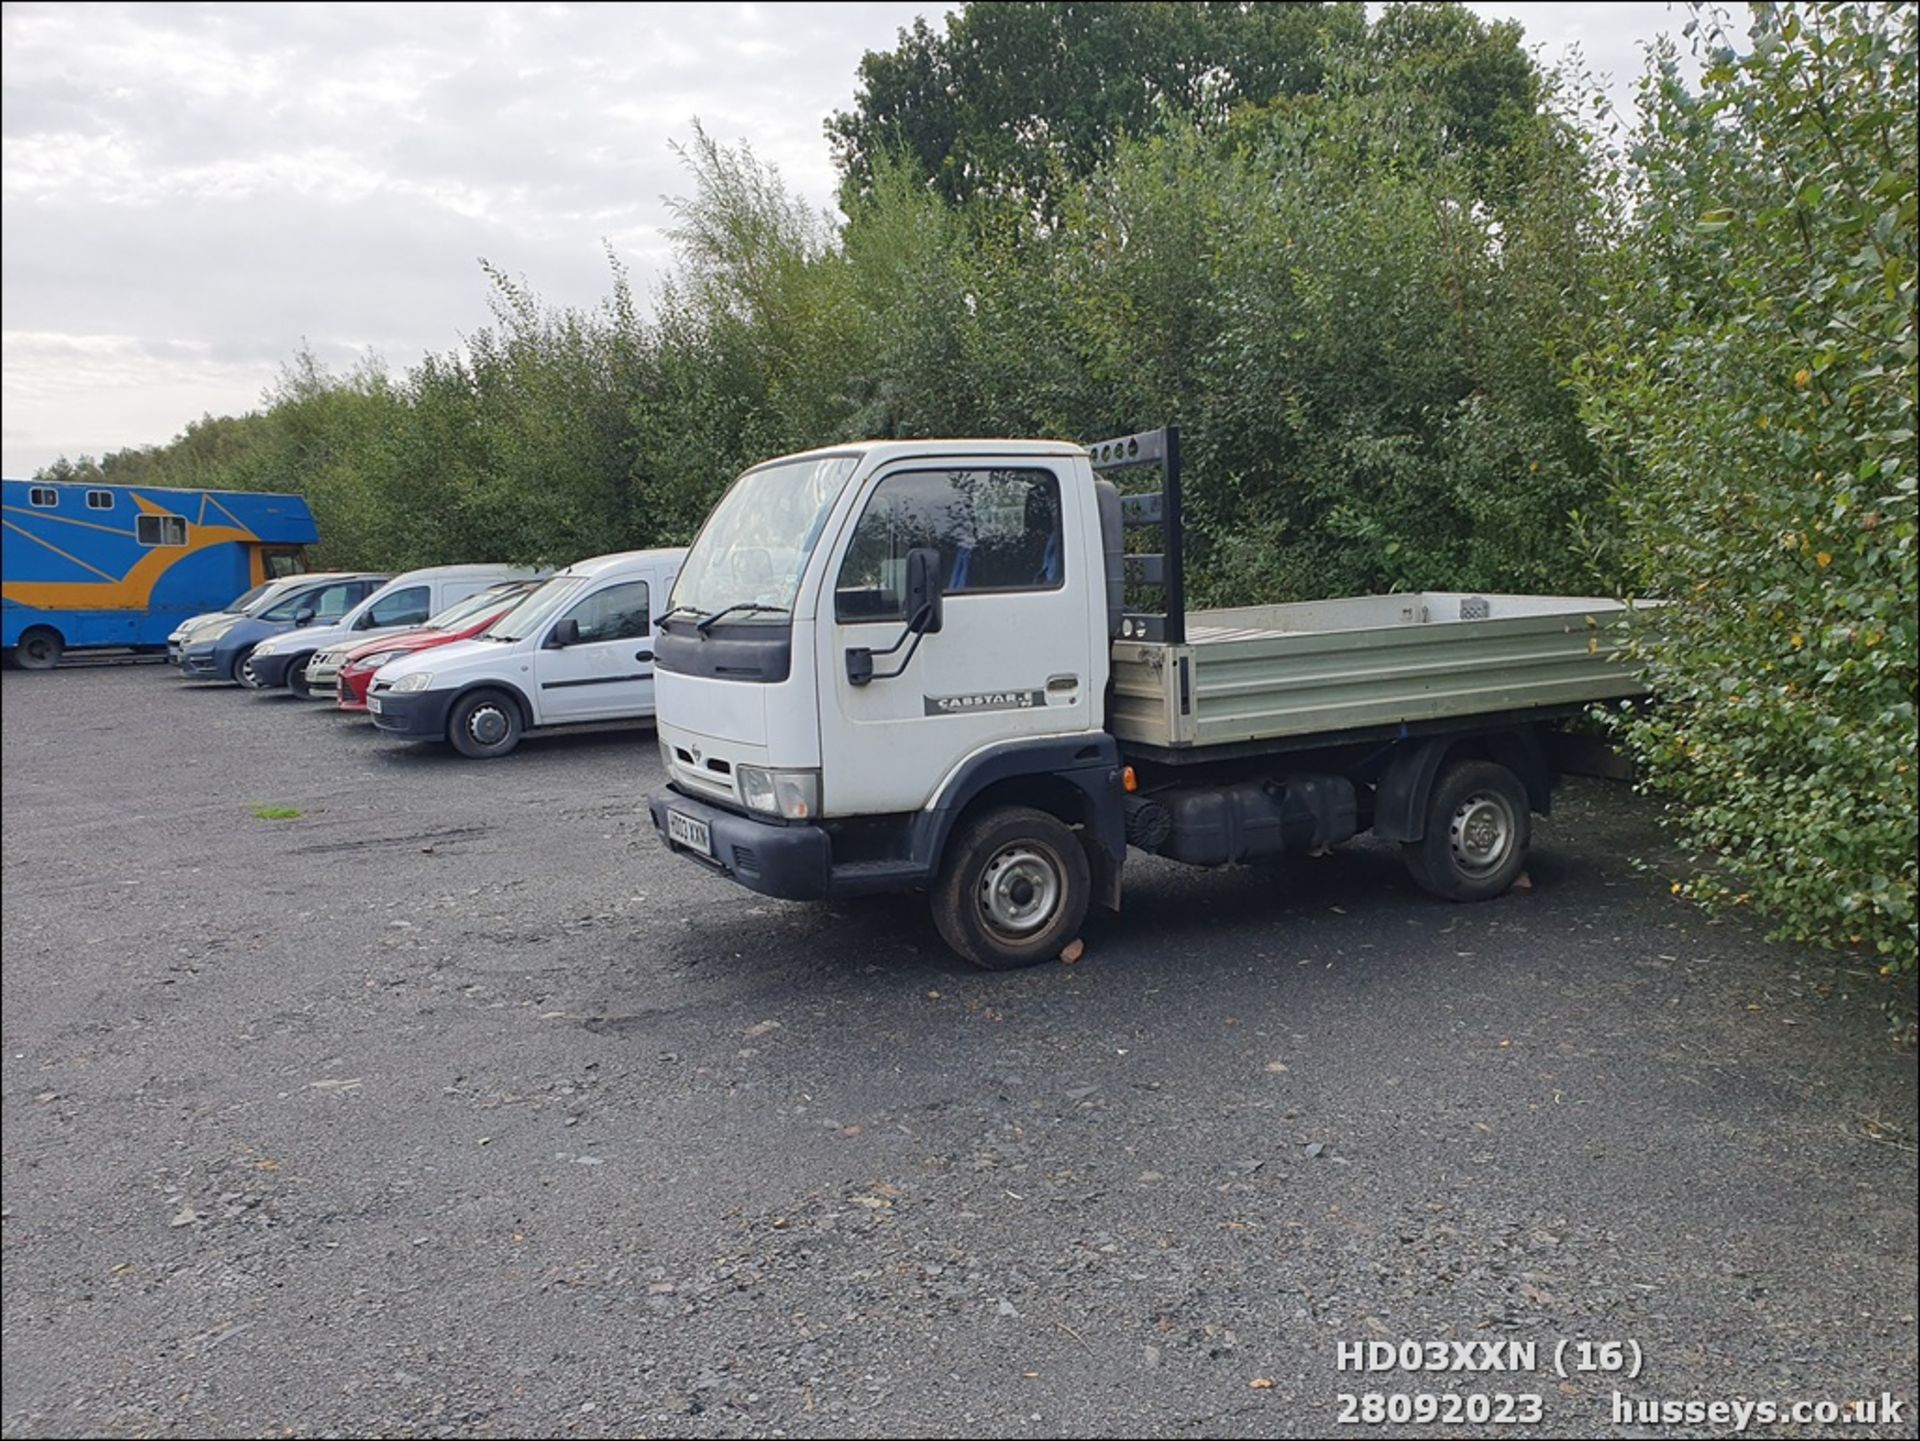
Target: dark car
[221, 651]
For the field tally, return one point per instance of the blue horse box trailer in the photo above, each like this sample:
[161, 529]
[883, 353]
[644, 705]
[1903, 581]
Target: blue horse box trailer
[87, 565]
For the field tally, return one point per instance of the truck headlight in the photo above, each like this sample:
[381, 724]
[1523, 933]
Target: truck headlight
[793, 794]
[419, 680]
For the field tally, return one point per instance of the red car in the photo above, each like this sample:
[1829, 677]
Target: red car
[461, 621]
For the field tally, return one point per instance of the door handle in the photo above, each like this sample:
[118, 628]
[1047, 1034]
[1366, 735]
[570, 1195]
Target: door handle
[643, 655]
[1063, 682]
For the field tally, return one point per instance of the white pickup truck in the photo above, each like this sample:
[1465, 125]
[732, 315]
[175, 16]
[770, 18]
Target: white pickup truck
[913, 665]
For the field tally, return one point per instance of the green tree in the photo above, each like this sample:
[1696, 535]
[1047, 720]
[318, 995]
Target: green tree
[1757, 388]
[1009, 99]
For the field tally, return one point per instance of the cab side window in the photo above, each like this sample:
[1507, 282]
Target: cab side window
[996, 531]
[410, 606]
[617, 613]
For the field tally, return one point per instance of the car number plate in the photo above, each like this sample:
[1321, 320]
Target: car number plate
[373, 704]
[686, 831]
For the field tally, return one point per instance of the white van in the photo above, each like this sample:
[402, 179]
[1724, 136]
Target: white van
[403, 602]
[578, 650]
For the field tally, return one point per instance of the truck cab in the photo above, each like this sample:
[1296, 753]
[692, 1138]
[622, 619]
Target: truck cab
[913, 664]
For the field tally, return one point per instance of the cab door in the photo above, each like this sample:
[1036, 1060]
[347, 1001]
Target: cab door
[1013, 657]
[608, 672]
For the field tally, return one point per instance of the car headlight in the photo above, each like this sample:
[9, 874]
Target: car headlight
[377, 659]
[793, 794]
[267, 647]
[215, 631]
[419, 680]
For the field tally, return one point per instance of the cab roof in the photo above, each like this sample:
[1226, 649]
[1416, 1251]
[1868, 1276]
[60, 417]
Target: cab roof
[882, 452]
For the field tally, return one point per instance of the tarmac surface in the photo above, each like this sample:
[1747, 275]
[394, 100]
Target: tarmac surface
[456, 1106]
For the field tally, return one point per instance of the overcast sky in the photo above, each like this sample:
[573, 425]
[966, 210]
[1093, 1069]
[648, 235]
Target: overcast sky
[191, 190]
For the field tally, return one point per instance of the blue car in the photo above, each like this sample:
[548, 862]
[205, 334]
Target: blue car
[222, 651]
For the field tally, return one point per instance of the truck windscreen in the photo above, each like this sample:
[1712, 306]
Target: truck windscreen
[750, 553]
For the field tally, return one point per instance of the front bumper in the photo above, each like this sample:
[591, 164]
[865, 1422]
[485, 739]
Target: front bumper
[792, 862]
[202, 663]
[323, 678]
[270, 671]
[415, 715]
[352, 688]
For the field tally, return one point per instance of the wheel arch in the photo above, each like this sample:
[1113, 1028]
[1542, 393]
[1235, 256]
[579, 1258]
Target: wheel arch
[1075, 779]
[1400, 798]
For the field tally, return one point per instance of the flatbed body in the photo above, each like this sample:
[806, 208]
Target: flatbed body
[1324, 670]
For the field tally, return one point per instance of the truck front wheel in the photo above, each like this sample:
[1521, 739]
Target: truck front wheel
[1478, 828]
[1013, 890]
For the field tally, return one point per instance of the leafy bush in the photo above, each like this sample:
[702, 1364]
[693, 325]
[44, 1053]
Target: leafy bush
[1759, 382]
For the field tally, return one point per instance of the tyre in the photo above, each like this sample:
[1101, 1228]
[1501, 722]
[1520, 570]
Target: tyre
[243, 669]
[1013, 889]
[297, 676]
[39, 649]
[1478, 828]
[484, 724]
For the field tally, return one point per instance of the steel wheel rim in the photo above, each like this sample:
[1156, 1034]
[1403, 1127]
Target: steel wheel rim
[1480, 834]
[247, 677]
[1020, 890]
[487, 725]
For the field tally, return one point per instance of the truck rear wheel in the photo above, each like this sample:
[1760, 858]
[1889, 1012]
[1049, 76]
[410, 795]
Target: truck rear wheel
[484, 724]
[1478, 829]
[39, 649]
[1013, 890]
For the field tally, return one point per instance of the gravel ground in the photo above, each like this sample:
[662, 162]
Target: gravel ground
[456, 1107]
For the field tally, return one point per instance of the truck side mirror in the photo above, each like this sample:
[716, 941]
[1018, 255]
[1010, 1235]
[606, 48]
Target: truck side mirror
[924, 595]
[304, 615]
[564, 633]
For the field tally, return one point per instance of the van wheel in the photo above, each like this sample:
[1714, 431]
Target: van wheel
[297, 677]
[1013, 890]
[1478, 829]
[39, 649]
[484, 725]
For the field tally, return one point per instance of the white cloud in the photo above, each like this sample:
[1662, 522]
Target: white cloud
[188, 192]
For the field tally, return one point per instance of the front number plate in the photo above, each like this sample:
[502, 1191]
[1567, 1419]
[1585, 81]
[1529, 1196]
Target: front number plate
[373, 704]
[686, 831]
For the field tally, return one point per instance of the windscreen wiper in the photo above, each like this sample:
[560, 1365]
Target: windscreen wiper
[745, 605]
